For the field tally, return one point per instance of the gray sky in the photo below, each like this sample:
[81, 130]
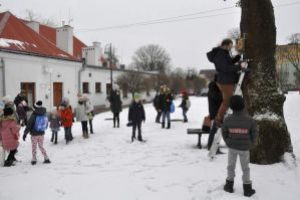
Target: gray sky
[186, 41]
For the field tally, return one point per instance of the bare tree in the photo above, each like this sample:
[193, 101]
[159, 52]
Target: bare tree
[151, 58]
[131, 82]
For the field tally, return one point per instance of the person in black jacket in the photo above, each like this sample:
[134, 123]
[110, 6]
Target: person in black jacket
[157, 102]
[227, 74]
[115, 106]
[136, 115]
[21, 103]
[36, 126]
[166, 108]
[214, 102]
[185, 105]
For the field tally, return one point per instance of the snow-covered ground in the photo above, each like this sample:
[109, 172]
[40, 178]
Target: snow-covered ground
[168, 166]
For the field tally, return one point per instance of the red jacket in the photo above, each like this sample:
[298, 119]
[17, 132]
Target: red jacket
[9, 134]
[66, 117]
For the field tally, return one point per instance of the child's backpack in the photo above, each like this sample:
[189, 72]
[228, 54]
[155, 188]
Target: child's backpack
[172, 107]
[188, 103]
[41, 123]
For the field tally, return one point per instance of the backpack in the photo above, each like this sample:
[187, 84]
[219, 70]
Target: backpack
[188, 104]
[172, 108]
[41, 123]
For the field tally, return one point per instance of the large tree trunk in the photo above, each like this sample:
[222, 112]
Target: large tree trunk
[263, 99]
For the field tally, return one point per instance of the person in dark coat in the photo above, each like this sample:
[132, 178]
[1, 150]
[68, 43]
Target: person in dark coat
[214, 102]
[54, 120]
[227, 74]
[115, 106]
[185, 105]
[157, 104]
[136, 115]
[37, 125]
[166, 108]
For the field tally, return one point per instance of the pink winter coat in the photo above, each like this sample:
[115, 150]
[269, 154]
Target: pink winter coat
[9, 134]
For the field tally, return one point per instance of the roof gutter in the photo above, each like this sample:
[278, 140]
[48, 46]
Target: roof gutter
[3, 76]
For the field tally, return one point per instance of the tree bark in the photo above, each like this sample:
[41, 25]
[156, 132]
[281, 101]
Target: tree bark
[263, 99]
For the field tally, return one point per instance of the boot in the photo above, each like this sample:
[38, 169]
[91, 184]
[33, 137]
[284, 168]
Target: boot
[47, 161]
[228, 187]
[163, 125]
[248, 191]
[8, 163]
[52, 138]
[132, 139]
[55, 140]
[33, 162]
[169, 125]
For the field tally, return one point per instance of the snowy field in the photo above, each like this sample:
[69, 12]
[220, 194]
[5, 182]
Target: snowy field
[167, 167]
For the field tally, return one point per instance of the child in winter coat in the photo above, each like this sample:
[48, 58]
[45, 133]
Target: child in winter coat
[36, 126]
[185, 105]
[136, 115]
[9, 135]
[54, 120]
[81, 116]
[66, 117]
[166, 108]
[239, 132]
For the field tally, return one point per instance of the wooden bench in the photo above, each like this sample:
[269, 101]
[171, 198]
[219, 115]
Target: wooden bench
[199, 132]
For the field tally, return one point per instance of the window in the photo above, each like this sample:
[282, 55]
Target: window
[108, 88]
[85, 87]
[98, 87]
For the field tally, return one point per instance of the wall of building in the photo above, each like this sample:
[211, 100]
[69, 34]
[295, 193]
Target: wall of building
[45, 71]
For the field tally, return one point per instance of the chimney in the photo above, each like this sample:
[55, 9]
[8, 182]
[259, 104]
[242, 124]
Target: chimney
[92, 54]
[64, 38]
[34, 26]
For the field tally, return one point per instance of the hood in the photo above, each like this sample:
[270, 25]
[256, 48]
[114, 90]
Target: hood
[40, 111]
[212, 54]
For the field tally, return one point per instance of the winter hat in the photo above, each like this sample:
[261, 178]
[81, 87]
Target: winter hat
[8, 111]
[136, 96]
[38, 104]
[237, 103]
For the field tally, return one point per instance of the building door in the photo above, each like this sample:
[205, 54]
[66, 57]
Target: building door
[57, 93]
[29, 90]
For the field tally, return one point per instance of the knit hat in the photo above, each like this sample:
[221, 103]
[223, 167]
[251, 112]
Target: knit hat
[136, 96]
[237, 103]
[8, 111]
[38, 104]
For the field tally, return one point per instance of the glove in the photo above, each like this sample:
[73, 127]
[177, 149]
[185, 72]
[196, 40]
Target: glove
[24, 136]
[244, 65]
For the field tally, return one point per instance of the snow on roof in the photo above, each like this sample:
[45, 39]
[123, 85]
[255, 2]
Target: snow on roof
[16, 36]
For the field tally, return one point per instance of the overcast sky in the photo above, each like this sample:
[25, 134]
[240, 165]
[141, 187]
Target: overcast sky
[186, 41]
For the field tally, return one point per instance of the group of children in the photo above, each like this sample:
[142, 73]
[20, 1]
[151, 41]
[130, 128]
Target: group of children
[38, 123]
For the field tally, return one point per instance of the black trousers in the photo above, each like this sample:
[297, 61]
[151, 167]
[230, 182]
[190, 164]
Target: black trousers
[11, 157]
[84, 126]
[158, 116]
[91, 126]
[137, 125]
[54, 137]
[117, 119]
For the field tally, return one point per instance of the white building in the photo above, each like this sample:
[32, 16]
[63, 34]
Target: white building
[48, 64]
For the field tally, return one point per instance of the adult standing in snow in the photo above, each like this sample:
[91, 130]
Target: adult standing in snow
[115, 106]
[36, 126]
[185, 105]
[90, 113]
[227, 69]
[166, 108]
[214, 102]
[136, 115]
[157, 103]
[239, 132]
